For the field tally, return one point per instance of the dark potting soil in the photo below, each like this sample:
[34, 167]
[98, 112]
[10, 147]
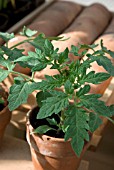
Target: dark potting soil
[39, 122]
[1, 107]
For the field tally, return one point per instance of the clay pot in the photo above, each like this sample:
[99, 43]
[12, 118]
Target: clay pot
[26, 46]
[84, 30]
[110, 28]
[56, 18]
[5, 114]
[49, 153]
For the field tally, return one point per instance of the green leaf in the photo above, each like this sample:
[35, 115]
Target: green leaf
[18, 80]
[83, 90]
[39, 42]
[52, 121]
[12, 54]
[97, 78]
[82, 46]
[111, 108]
[94, 121]
[76, 121]
[92, 102]
[43, 129]
[68, 87]
[111, 53]
[19, 93]
[106, 63]
[6, 36]
[50, 83]
[7, 63]
[53, 105]
[75, 50]
[3, 74]
[48, 47]
[42, 96]
[39, 67]
[29, 61]
[28, 32]
[63, 56]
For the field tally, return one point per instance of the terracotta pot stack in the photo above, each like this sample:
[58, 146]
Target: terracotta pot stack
[56, 18]
[85, 29]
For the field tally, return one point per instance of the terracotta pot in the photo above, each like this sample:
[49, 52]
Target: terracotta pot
[5, 114]
[49, 153]
[56, 18]
[110, 28]
[26, 46]
[84, 30]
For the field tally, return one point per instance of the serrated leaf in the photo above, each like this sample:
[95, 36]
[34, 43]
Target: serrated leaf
[3, 74]
[12, 54]
[19, 93]
[74, 50]
[53, 105]
[43, 129]
[6, 63]
[39, 67]
[95, 78]
[29, 61]
[83, 90]
[63, 56]
[6, 36]
[50, 83]
[92, 102]
[111, 53]
[39, 42]
[68, 87]
[28, 32]
[111, 108]
[94, 121]
[106, 63]
[42, 96]
[77, 130]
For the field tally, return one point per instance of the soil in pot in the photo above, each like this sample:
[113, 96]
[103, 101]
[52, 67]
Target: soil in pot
[5, 114]
[50, 153]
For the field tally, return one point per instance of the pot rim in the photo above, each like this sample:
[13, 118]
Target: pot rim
[45, 137]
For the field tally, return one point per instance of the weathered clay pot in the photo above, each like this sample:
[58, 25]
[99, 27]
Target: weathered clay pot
[5, 114]
[84, 30]
[56, 18]
[26, 46]
[49, 153]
